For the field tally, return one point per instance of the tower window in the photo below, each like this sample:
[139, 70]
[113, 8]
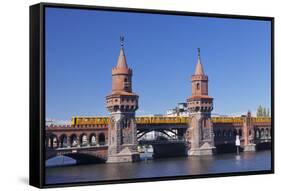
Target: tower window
[197, 86]
[126, 84]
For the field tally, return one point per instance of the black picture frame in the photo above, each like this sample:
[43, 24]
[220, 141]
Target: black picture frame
[37, 93]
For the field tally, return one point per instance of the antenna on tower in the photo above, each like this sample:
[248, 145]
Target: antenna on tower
[198, 49]
[122, 38]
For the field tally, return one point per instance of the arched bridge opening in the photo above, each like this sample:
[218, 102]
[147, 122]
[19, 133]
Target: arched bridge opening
[162, 143]
[262, 138]
[224, 138]
[73, 159]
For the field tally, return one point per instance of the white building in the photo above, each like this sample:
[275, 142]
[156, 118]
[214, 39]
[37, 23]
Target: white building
[179, 110]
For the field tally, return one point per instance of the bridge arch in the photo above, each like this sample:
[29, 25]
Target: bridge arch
[262, 133]
[63, 141]
[83, 140]
[93, 139]
[240, 132]
[224, 133]
[229, 133]
[219, 132]
[258, 133]
[140, 134]
[80, 158]
[266, 132]
[235, 132]
[52, 141]
[101, 139]
[73, 140]
[269, 132]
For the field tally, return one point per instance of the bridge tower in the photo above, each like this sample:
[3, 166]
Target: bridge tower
[200, 104]
[248, 133]
[122, 104]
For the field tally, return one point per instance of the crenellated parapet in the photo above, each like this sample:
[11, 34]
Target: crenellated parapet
[123, 102]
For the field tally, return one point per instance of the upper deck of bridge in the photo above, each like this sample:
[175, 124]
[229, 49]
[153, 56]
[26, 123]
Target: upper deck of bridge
[143, 120]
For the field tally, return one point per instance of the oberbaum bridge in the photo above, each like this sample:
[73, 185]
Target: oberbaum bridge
[116, 138]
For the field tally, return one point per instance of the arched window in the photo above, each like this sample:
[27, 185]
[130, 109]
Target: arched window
[197, 86]
[126, 84]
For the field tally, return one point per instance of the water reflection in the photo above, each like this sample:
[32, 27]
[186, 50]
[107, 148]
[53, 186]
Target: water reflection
[251, 161]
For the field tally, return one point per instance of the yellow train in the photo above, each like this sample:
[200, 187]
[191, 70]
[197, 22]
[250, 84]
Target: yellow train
[227, 119]
[90, 120]
[139, 120]
[162, 120]
[103, 120]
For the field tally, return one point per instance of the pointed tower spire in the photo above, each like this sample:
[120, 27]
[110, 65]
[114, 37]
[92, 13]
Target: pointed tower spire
[122, 63]
[199, 68]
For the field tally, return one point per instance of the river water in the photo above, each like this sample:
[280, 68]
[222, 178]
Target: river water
[179, 166]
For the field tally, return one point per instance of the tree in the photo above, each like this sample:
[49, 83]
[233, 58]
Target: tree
[268, 112]
[259, 111]
[264, 112]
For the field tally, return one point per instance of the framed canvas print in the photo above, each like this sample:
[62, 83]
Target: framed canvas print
[125, 95]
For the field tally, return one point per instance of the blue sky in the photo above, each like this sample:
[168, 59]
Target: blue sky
[82, 46]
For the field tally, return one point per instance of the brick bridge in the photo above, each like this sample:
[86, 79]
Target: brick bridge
[116, 138]
[86, 138]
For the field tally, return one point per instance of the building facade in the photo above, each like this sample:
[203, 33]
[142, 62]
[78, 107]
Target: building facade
[179, 110]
